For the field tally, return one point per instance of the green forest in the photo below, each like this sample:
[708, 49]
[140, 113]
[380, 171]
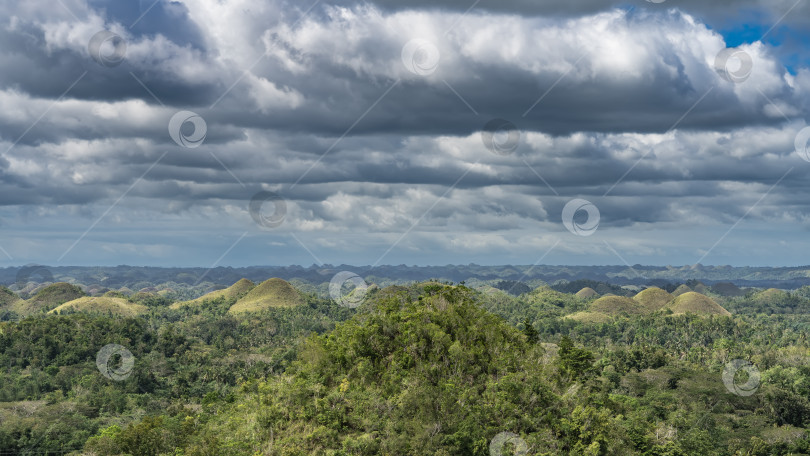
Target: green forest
[422, 368]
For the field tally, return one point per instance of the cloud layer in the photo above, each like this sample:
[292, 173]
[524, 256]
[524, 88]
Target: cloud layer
[367, 119]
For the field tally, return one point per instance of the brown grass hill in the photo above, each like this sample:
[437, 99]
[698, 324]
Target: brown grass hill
[103, 305]
[48, 298]
[586, 293]
[270, 293]
[681, 290]
[617, 305]
[696, 303]
[653, 298]
[235, 291]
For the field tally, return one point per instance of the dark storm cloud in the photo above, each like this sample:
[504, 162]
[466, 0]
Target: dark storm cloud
[303, 86]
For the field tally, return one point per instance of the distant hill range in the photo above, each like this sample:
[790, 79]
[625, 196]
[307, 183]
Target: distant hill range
[512, 277]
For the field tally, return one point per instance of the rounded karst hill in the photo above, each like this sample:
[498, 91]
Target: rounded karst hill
[7, 297]
[653, 298]
[586, 293]
[235, 291]
[681, 290]
[102, 304]
[617, 305]
[701, 288]
[270, 293]
[696, 303]
[48, 298]
[126, 291]
[771, 295]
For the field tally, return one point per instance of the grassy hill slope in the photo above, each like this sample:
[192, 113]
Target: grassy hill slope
[48, 298]
[235, 291]
[696, 303]
[771, 295]
[616, 305]
[7, 298]
[270, 293]
[653, 298]
[681, 290]
[586, 293]
[102, 304]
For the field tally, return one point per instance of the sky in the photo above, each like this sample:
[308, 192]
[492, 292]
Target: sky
[255, 132]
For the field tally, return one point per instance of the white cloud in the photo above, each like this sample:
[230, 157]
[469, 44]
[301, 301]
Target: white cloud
[619, 82]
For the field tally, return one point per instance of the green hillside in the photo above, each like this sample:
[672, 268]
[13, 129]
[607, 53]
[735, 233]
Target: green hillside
[727, 289]
[268, 294]
[588, 317]
[7, 298]
[235, 291]
[433, 376]
[431, 368]
[770, 295]
[48, 298]
[101, 304]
